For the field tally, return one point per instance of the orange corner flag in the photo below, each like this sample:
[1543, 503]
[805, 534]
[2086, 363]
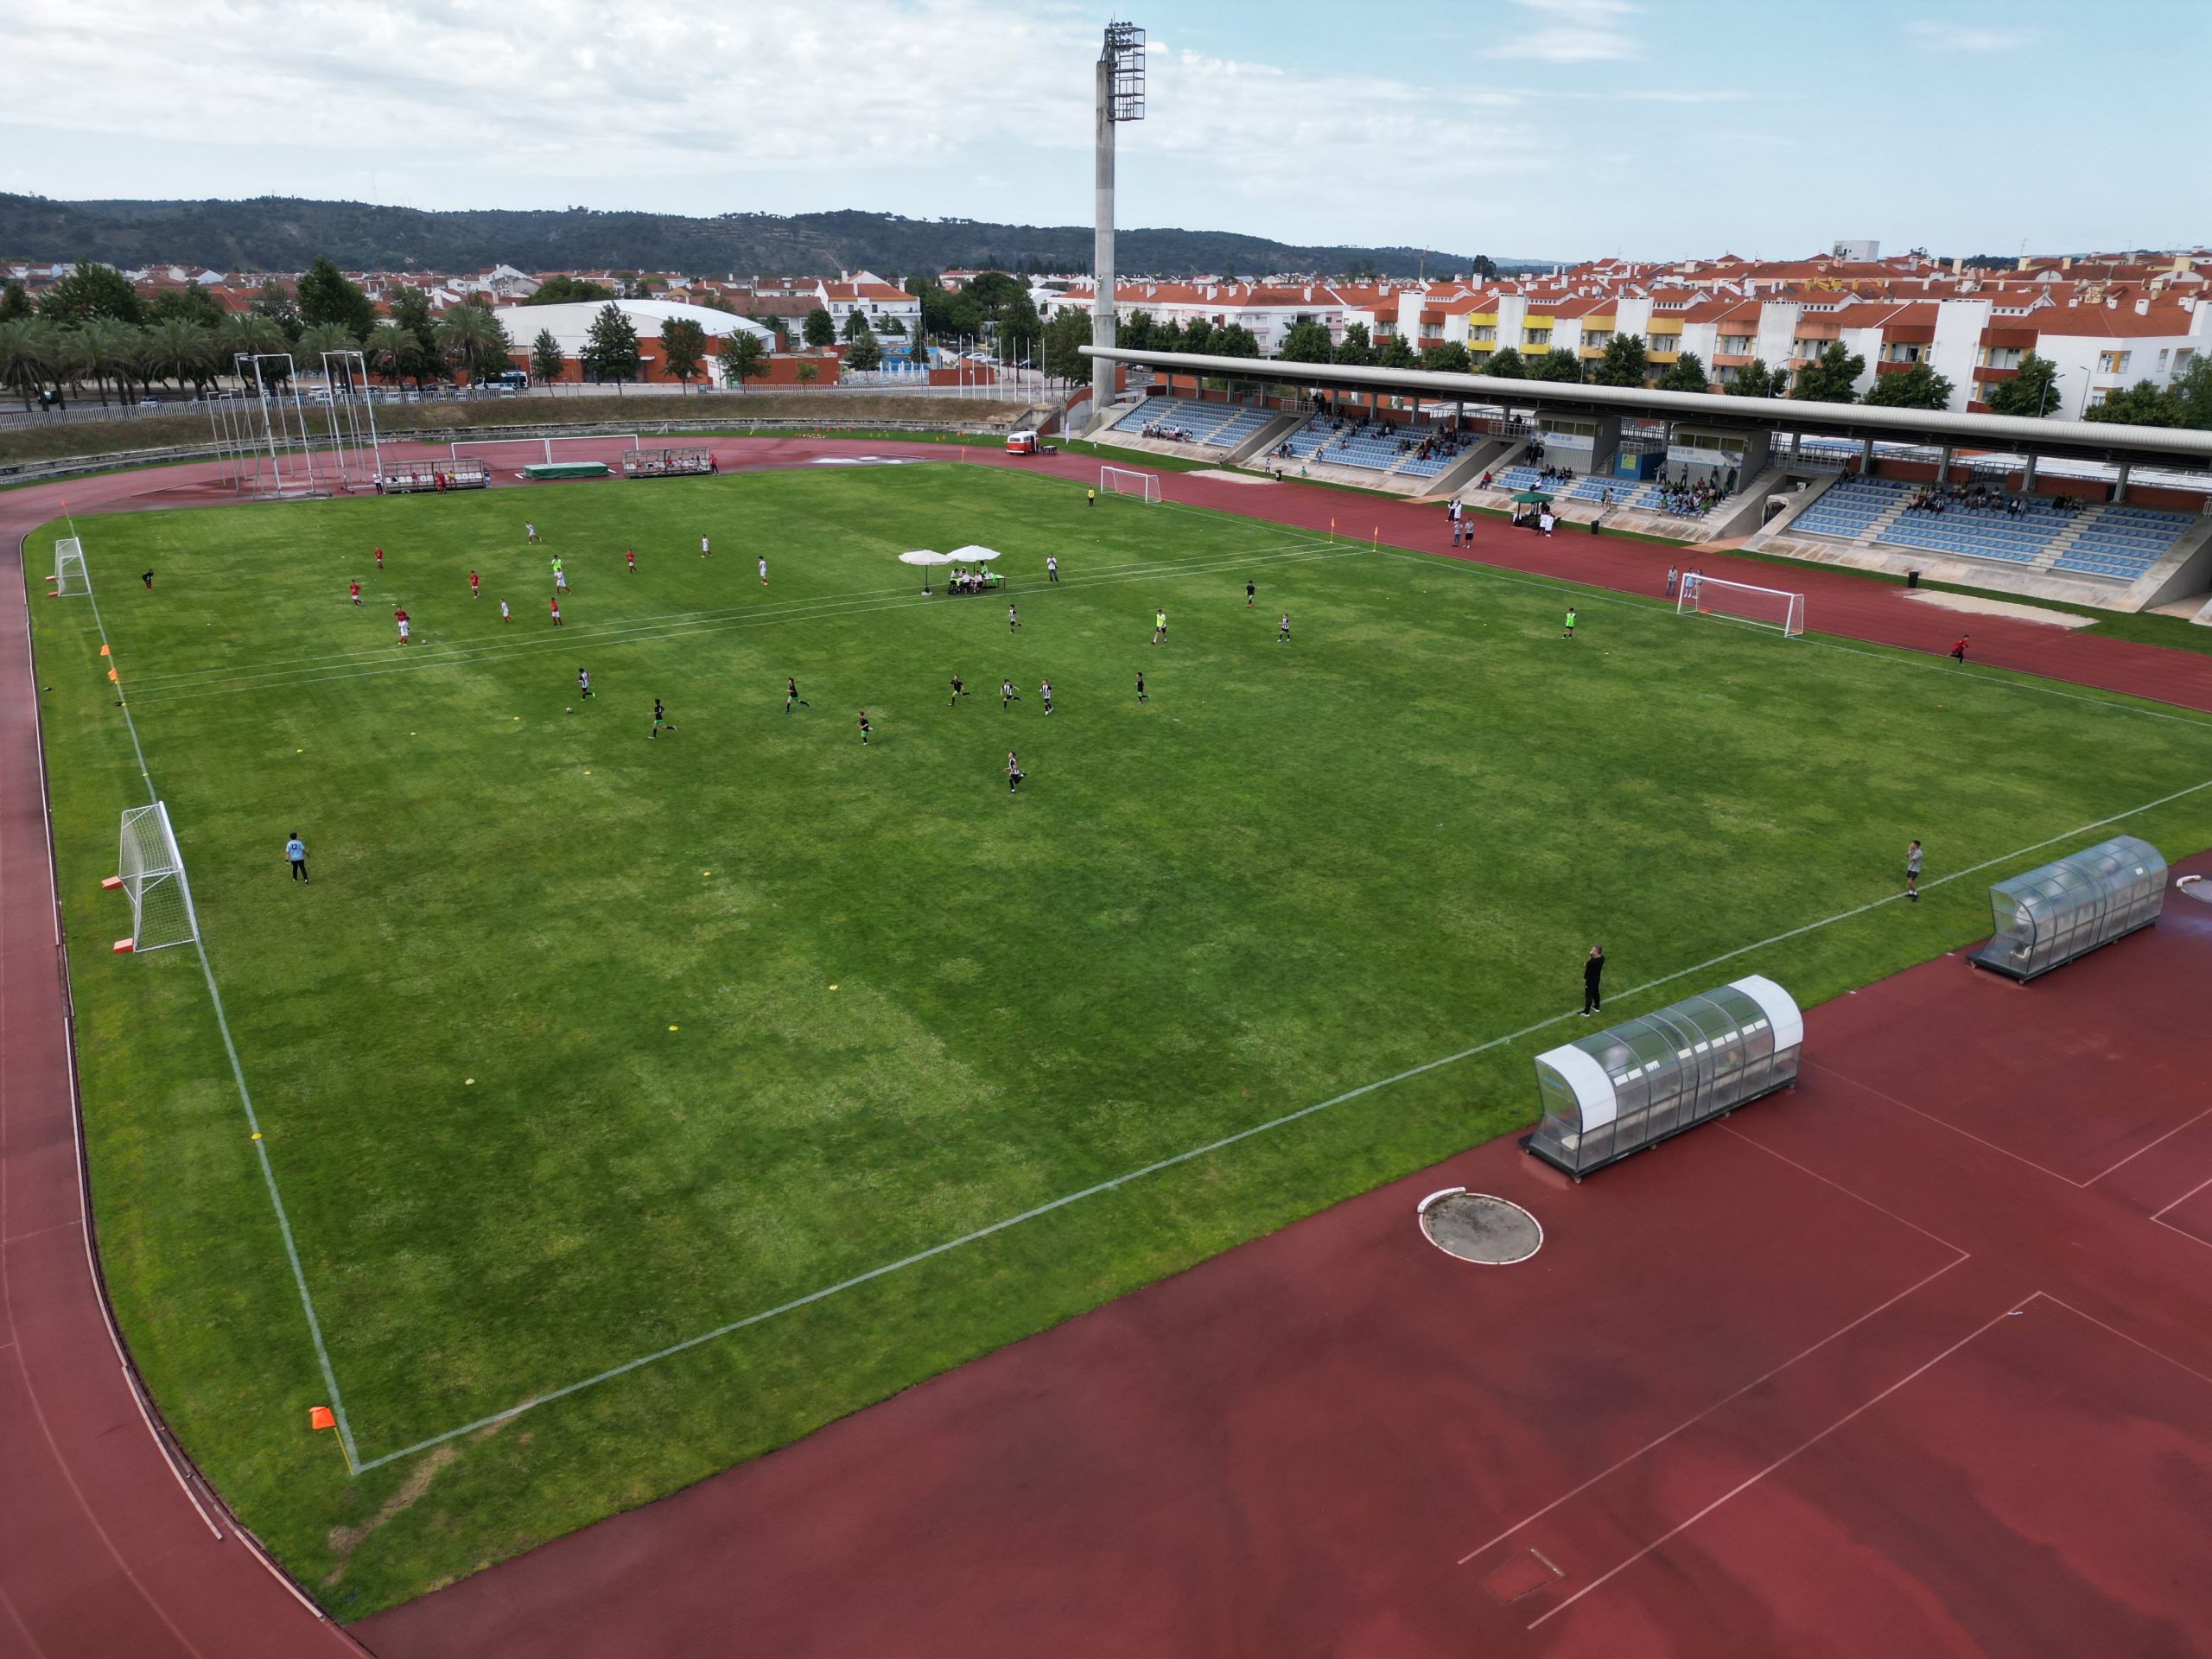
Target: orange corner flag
[320, 1418]
[103, 650]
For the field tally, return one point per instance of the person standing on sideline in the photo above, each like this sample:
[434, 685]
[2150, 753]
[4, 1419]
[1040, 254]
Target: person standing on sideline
[959, 690]
[475, 586]
[1140, 696]
[295, 854]
[1594, 969]
[1013, 773]
[1673, 577]
[353, 591]
[1044, 690]
[792, 696]
[1052, 568]
[1569, 633]
[865, 728]
[660, 719]
[1250, 592]
[1545, 521]
[1091, 497]
[1282, 632]
[630, 557]
[504, 614]
[764, 570]
[1013, 619]
[1912, 871]
[1007, 695]
[1959, 652]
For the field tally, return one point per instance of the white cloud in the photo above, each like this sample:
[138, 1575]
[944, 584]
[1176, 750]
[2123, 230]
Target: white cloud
[1587, 31]
[1949, 36]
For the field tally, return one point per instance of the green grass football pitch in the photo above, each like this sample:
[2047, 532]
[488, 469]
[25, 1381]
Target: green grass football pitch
[592, 1063]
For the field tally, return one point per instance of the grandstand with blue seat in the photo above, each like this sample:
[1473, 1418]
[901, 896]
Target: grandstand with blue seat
[1201, 420]
[1849, 507]
[1980, 533]
[2122, 542]
[1246, 422]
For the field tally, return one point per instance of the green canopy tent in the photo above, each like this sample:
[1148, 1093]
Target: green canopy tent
[1533, 497]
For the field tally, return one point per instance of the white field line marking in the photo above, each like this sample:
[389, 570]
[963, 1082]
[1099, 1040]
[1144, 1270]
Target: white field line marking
[1745, 1485]
[538, 645]
[1223, 1142]
[1690, 1422]
[591, 633]
[237, 1076]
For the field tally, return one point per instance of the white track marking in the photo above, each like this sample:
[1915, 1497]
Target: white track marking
[1690, 1422]
[1803, 1446]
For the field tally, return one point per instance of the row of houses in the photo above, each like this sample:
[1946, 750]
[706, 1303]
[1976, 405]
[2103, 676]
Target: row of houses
[2106, 322]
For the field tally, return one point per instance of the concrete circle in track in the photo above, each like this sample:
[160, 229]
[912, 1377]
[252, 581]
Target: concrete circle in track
[1476, 1227]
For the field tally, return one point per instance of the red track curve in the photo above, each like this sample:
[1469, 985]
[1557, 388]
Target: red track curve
[104, 1550]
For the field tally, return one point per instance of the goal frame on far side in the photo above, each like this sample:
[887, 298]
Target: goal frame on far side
[1127, 480]
[1742, 602]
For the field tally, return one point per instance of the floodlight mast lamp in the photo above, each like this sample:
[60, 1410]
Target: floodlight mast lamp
[1121, 97]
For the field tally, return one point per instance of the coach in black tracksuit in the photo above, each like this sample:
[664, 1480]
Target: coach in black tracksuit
[1593, 966]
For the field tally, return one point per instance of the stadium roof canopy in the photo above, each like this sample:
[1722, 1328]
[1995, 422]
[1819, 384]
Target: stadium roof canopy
[2177, 448]
[570, 321]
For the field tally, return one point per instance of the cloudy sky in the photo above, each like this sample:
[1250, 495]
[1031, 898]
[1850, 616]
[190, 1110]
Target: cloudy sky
[1534, 128]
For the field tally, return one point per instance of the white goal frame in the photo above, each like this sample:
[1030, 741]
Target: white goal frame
[454, 448]
[1127, 480]
[1742, 602]
[71, 579]
[151, 872]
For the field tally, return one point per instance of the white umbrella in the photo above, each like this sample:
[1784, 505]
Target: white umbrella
[925, 558]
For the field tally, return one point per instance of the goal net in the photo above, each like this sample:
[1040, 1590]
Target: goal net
[69, 574]
[1740, 601]
[1121, 480]
[152, 873]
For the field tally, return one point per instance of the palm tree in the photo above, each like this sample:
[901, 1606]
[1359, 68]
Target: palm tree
[325, 337]
[105, 349]
[473, 340]
[390, 347]
[179, 350]
[26, 345]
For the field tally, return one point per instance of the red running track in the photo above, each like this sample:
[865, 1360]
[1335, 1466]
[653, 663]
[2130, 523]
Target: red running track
[1776, 1401]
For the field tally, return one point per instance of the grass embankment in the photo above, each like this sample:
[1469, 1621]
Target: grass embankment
[582, 1044]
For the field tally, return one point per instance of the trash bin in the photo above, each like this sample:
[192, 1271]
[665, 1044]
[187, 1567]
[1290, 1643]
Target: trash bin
[1912, 578]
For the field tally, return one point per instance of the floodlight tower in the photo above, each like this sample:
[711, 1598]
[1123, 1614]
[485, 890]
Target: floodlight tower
[1121, 97]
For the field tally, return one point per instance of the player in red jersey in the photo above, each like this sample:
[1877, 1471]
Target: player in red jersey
[631, 554]
[475, 588]
[554, 602]
[353, 589]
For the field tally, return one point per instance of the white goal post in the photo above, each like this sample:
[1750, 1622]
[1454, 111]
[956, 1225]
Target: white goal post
[1740, 602]
[69, 573]
[151, 872]
[628, 439]
[1123, 480]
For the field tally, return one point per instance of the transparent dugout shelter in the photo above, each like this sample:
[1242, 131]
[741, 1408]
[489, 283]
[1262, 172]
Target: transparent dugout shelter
[2048, 917]
[1618, 1090]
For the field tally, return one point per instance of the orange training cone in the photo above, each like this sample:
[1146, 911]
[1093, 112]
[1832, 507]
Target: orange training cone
[103, 650]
